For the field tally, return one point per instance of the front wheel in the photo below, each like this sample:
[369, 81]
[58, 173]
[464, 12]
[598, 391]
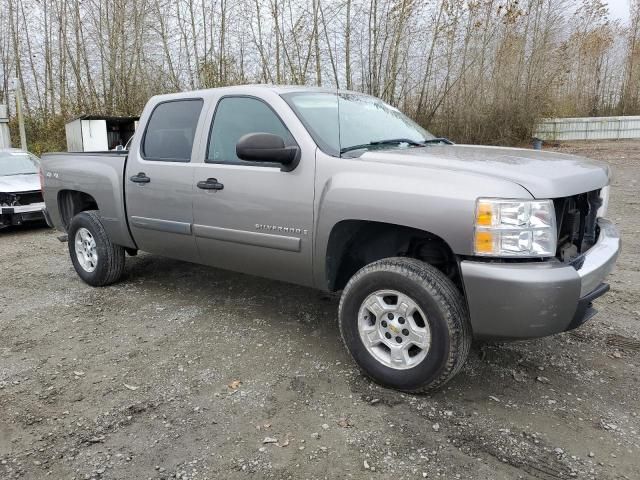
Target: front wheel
[97, 261]
[405, 324]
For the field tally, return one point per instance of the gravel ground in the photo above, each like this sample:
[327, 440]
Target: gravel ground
[182, 371]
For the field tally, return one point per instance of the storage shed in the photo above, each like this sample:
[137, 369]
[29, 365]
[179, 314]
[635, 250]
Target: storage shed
[96, 133]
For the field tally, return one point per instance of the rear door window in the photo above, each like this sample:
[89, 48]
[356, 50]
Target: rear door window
[171, 130]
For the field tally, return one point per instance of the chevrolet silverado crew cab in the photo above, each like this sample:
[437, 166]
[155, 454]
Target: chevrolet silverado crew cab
[429, 242]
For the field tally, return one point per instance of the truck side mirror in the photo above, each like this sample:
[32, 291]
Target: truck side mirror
[266, 147]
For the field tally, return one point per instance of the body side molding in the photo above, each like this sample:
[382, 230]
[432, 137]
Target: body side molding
[161, 225]
[278, 242]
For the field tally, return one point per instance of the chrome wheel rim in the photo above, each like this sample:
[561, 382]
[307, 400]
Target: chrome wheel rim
[86, 251]
[394, 329]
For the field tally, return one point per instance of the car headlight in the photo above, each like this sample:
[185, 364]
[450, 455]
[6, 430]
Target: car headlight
[515, 228]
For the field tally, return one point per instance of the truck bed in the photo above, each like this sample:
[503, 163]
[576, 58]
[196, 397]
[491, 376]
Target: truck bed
[99, 175]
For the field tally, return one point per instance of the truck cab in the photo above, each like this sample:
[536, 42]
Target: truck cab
[249, 216]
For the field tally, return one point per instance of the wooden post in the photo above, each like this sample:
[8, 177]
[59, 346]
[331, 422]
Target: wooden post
[5, 137]
[23, 135]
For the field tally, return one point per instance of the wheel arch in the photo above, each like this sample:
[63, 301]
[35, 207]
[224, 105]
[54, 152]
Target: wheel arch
[72, 202]
[354, 243]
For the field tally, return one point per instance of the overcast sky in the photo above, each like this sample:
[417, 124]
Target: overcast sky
[619, 9]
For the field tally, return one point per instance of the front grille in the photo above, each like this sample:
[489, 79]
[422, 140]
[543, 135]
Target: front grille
[576, 221]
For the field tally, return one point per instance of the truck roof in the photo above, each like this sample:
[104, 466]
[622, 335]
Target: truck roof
[252, 88]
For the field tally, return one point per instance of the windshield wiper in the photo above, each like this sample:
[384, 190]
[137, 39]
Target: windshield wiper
[397, 141]
[391, 141]
[437, 140]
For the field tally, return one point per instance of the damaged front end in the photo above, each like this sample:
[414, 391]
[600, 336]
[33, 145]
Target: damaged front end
[17, 208]
[577, 222]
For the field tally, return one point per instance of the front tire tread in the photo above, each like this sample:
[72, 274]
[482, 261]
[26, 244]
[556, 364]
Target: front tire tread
[448, 297]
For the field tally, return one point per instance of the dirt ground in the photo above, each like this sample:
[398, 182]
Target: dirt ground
[182, 371]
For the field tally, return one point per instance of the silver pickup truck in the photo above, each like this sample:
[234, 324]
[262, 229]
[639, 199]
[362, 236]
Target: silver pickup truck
[431, 243]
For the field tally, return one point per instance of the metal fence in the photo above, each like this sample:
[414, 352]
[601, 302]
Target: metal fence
[588, 128]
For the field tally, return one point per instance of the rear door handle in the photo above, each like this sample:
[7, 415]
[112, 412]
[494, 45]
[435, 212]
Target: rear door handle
[140, 178]
[210, 184]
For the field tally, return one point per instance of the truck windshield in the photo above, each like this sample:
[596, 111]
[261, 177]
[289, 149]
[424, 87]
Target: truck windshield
[348, 122]
[17, 163]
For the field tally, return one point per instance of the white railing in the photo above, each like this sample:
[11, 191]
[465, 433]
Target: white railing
[588, 128]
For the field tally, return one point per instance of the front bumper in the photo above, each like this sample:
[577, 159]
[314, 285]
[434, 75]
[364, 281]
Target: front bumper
[527, 300]
[20, 214]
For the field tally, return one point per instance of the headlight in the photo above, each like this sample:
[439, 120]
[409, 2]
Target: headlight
[515, 228]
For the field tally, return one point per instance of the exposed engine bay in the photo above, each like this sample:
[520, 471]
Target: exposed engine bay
[576, 222]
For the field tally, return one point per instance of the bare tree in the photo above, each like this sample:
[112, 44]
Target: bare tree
[476, 70]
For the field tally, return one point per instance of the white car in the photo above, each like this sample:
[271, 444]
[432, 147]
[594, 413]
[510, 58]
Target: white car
[20, 191]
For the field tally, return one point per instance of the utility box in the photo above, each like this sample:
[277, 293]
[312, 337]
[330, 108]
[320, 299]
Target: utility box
[95, 133]
[5, 138]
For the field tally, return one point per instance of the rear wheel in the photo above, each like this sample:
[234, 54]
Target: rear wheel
[95, 258]
[405, 324]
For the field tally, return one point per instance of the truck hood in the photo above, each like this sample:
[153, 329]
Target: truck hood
[543, 174]
[19, 183]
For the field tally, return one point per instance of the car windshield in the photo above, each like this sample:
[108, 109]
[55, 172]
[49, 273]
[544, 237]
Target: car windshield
[364, 122]
[17, 163]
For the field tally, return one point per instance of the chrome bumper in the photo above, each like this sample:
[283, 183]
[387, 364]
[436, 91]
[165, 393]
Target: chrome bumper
[527, 300]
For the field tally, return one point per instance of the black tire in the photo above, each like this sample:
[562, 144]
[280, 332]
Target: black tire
[443, 305]
[110, 263]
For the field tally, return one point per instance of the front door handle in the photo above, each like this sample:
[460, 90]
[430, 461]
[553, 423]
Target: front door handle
[140, 178]
[210, 184]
